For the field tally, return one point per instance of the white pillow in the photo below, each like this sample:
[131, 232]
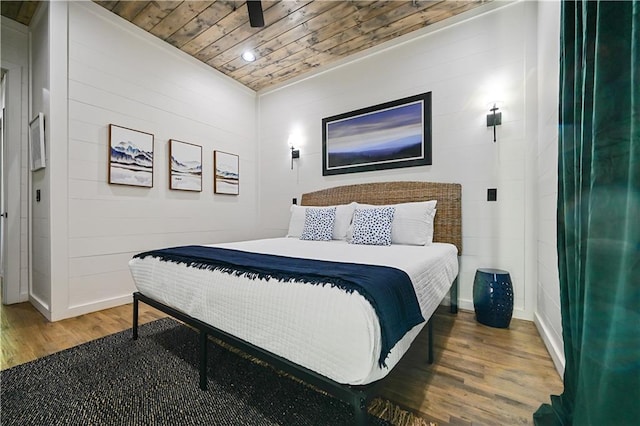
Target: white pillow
[372, 226]
[344, 213]
[296, 221]
[318, 224]
[412, 222]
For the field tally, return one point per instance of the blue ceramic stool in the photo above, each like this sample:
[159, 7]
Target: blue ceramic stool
[493, 297]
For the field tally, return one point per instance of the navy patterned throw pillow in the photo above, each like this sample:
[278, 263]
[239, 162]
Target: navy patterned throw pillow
[372, 226]
[318, 224]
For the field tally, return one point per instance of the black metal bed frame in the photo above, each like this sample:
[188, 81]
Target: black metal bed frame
[354, 395]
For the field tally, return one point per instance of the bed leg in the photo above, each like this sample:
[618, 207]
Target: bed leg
[430, 350]
[360, 409]
[453, 295]
[203, 360]
[135, 316]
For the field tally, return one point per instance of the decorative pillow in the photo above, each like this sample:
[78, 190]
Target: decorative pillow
[372, 226]
[412, 222]
[318, 224]
[344, 213]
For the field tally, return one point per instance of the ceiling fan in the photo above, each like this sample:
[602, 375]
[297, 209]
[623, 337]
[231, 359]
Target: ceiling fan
[256, 17]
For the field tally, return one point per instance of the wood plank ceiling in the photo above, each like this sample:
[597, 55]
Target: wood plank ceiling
[298, 36]
[20, 11]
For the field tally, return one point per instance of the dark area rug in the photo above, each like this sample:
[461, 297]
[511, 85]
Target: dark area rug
[154, 381]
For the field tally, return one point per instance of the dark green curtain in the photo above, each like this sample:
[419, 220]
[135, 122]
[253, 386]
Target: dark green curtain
[599, 215]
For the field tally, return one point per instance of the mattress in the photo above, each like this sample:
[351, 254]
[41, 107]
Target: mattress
[322, 328]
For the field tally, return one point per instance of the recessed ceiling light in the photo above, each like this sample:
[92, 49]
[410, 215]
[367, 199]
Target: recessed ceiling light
[248, 56]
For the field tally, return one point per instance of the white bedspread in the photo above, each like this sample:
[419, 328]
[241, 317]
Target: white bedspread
[321, 328]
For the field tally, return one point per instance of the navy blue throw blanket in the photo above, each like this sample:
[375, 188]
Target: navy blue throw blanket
[388, 290]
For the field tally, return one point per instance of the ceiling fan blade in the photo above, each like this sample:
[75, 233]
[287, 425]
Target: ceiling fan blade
[256, 17]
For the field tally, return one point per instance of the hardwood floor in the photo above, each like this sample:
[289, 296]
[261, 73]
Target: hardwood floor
[481, 375]
[26, 335]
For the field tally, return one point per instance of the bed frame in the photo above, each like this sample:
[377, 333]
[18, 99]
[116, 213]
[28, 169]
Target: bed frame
[447, 228]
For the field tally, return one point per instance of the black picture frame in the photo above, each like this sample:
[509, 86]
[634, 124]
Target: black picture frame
[385, 136]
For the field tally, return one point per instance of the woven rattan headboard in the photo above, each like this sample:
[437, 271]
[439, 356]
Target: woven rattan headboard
[448, 221]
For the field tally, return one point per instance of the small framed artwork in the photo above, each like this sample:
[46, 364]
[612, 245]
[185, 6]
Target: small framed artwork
[385, 136]
[227, 173]
[185, 166]
[36, 147]
[130, 157]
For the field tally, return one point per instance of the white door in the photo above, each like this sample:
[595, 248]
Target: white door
[3, 209]
[10, 108]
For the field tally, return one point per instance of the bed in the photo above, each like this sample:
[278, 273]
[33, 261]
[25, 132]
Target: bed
[329, 335]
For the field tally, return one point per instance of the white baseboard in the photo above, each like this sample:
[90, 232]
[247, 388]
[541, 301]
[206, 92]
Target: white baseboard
[42, 307]
[467, 305]
[557, 354]
[74, 311]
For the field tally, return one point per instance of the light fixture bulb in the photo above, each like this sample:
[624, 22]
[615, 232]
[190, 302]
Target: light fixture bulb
[249, 56]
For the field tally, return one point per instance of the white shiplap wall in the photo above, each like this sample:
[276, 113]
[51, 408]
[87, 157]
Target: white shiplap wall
[489, 56]
[119, 74]
[548, 315]
[40, 241]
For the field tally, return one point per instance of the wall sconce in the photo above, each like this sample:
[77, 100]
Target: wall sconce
[494, 119]
[295, 153]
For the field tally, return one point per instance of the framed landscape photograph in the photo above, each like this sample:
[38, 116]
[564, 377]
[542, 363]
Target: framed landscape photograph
[130, 157]
[227, 173]
[185, 166]
[385, 136]
[36, 146]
